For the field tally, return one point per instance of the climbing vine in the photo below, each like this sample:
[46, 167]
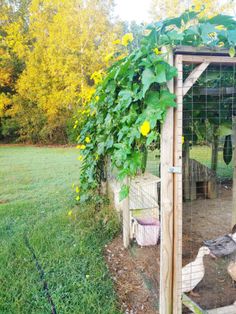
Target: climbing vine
[132, 98]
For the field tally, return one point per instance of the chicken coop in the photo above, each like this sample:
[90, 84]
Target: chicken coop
[197, 171]
[192, 190]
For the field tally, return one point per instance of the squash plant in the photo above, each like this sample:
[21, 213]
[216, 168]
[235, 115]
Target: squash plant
[132, 100]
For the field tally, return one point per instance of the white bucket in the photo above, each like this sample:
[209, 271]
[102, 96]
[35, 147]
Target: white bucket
[146, 231]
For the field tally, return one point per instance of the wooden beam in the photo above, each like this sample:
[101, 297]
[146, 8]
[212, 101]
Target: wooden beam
[166, 254]
[192, 306]
[231, 309]
[126, 219]
[178, 190]
[212, 59]
[210, 51]
[234, 173]
[214, 91]
[194, 76]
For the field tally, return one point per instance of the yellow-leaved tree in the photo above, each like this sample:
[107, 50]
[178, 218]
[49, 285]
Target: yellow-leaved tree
[62, 45]
[71, 39]
[13, 48]
[170, 8]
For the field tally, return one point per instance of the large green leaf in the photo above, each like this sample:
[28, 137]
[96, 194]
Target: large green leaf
[124, 192]
[160, 70]
[224, 20]
[148, 77]
[152, 98]
[167, 99]
[232, 36]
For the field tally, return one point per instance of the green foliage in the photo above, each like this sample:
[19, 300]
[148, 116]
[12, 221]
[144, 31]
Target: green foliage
[134, 93]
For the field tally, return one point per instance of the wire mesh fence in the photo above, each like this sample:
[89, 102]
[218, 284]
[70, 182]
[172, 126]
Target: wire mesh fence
[209, 205]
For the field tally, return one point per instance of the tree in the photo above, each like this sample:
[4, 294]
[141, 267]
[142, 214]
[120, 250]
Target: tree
[60, 44]
[71, 40]
[13, 28]
[169, 8]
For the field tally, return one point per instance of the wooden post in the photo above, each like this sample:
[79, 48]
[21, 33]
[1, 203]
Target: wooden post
[166, 254]
[126, 220]
[234, 174]
[187, 187]
[215, 144]
[178, 190]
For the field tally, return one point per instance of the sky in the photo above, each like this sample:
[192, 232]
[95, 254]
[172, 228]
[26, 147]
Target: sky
[130, 10]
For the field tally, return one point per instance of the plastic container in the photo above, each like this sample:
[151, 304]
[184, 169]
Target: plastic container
[146, 231]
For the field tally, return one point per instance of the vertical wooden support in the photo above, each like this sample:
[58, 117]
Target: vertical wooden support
[126, 220]
[234, 174]
[178, 190]
[166, 255]
[187, 187]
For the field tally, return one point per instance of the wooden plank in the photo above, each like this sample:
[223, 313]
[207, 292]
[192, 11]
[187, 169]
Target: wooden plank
[211, 59]
[212, 51]
[126, 220]
[214, 91]
[166, 254]
[231, 309]
[178, 188]
[234, 175]
[194, 76]
[192, 306]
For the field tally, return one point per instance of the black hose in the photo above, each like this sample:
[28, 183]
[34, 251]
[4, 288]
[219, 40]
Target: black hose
[41, 274]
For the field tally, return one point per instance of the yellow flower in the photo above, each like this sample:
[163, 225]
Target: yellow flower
[76, 124]
[77, 189]
[220, 27]
[97, 98]
[116, 42]
[157, 51]
[70, 213]
[212, 35]
[87, 139]
[108, 57]
[77, 198]
[81, 146]
[80, 158]
[221, 44]
[97, 77]
[127, 38]
[145, 128]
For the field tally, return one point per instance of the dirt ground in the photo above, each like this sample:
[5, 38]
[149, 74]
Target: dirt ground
[136, 271]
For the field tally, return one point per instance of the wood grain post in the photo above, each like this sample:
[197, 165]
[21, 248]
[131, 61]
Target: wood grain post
[126, 220]
[166, 254]
[234, 174]
[178, 190]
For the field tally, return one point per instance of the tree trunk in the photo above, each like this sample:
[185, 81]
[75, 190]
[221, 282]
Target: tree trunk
[215, 145]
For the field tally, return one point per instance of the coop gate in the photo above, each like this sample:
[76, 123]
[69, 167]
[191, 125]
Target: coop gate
[172, 183]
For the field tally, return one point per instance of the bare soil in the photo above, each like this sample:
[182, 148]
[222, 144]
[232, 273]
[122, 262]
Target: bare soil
[136, 271]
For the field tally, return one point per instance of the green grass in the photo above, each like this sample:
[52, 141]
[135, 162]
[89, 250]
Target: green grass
[203, 155]
[199, 153]
[35, 198]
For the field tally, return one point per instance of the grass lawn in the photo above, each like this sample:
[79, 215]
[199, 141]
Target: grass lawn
[48, 258]
[199, 153]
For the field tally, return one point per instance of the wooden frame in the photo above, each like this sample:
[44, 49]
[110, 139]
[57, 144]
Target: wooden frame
[171, 183]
